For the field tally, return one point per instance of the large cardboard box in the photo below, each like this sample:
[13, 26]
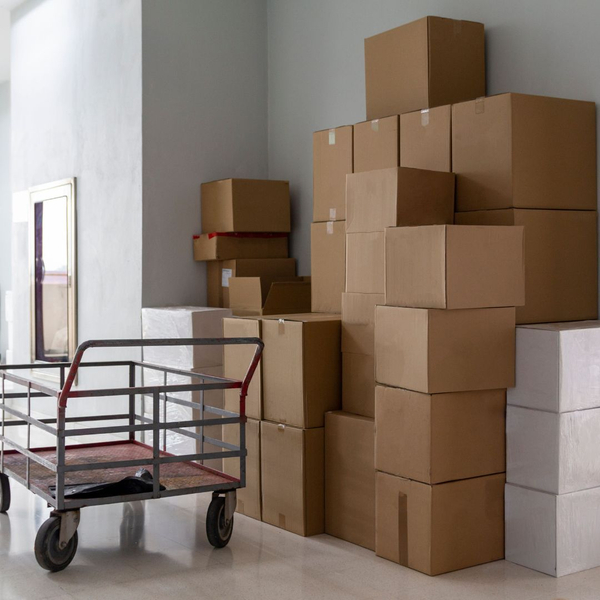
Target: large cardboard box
[226, 245]
[328, 265]
[365, 262]
[301, 368]
[358, 322]
[398, 197]
[434, 438]
[561, 261]
[519, 151]
[218, 273]
[557, 535]
[377, 144]
[440, 528]
[350, 478]
[245, 205]
[293, 480]
[332, 161]
[358, 384]
[454, 266]
[426, 139]
[434, 351]
[426, 63]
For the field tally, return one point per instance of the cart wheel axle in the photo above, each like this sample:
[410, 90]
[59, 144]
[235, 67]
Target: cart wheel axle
[52, 553]
[219, 520]
[4, 493]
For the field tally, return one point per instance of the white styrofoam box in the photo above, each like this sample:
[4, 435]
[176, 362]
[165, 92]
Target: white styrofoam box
[184, 322]
[554, 534]
[558, 366]
[553, 452]
[8, 307]
[10, 334]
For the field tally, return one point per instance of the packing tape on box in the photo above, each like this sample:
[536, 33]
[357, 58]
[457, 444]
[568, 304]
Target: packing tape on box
[479, 105]
[425, 117]
[280, 326]
[281, 427]
[332, 137]
[375, 125]
[332, 214]
[329, 227]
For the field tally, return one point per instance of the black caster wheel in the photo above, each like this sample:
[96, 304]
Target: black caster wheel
[4, 493]
[47, 550]
[218, 529]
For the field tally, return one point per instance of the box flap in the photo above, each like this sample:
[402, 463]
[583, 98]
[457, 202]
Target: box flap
[288, 296]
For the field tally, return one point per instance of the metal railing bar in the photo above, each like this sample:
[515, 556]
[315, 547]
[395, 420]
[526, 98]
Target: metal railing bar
[29, 454]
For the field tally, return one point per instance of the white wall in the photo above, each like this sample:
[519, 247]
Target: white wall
[5, 209]
[4, 45]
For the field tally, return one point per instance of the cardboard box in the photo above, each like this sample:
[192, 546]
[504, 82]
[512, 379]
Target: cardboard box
[365, 266]
[398, 197]
[561, 261]
[426, 139]
[434, 438]
[236, 360]
[358, 322]
[254, 296]
[358, 384]
[377, 144]
[293, 480]
[301, 368]
[350, 478]
[328, 265]
[454, 266]
[434, 351]
[332, 161]
[249, 498]
[440, 528]
[557, 367]
[218, 273]
[426, 63]
[519, 151]
[226, 245]
[553, 534]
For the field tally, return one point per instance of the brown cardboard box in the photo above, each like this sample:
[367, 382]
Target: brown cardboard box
[358, 322]
[350, 478]
[518, 151]
[454, 266]
[237, 359]
[249, 500]
[398, 197]
[426, 63]
[218, 273]
[253, 296]
[426, 139]
[328, 265]
[226, 245]
[561, 262]
[332, 161]
[440, 528]
[434, 351]
[301, 368]
[377, 144]
[245, 205]
[293, 481]
[358, 384]
[365, 266]
[435, 438]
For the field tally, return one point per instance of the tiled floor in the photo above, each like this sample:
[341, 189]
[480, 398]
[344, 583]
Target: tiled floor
[159, 549]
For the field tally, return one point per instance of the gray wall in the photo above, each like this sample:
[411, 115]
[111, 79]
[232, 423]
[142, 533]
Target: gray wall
[316, 67]
[5, 208]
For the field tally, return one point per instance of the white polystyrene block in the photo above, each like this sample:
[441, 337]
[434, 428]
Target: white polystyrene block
[554, 534]
[557, 367]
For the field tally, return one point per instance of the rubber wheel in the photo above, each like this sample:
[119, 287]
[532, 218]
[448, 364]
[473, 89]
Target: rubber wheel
[4, 493]
[47, 552]
[218, 531]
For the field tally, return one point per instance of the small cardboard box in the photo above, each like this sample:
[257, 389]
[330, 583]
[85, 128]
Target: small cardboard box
[434, 351]
[226, 245]
[293, 480]
[301, 368]
[520, 151]
[398, 197]
[440, 528]
[358, 322]
[426, 63]
[561, 261]
[377, 144]
[350, 478]
[365, 266]
[358, 384]
[454, 266]
[434, 438]
[218, 273]
[332, 161]
[328, 265]
[426, 139]
[245, 205]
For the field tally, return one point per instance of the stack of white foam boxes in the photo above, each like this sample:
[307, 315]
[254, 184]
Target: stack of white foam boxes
[553, 449]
